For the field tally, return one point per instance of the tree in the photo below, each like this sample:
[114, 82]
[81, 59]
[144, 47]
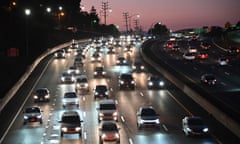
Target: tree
[159, 30]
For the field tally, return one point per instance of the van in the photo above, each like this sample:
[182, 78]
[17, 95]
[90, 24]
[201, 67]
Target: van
[107, 110]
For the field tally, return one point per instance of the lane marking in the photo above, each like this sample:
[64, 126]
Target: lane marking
[130, 141]
[122, 118]
[141, 94]
[165, 127]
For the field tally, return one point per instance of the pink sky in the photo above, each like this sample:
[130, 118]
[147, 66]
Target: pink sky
[175, 14]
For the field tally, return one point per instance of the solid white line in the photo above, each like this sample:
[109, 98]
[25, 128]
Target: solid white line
[122, 118]
[85, 135]
[130, 141]
[165, 127]
[20, 109]
[141, 94]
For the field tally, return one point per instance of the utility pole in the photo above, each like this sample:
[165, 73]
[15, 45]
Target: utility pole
[136, 23]
[125, 17]
[105, 8]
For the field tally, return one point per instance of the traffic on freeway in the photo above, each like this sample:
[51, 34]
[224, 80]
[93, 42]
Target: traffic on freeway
[109, 95]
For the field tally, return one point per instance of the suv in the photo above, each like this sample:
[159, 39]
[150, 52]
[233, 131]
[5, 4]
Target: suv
[70, 98]
[137, 67]
[126, 80]
[32, 114]
[147, 116]
[101, 91]
[82, 83]
[109, 132]
[107, 110]
[71, 123]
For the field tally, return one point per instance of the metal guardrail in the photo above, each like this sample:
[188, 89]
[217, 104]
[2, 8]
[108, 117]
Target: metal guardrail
[19, 83]
[228, 122]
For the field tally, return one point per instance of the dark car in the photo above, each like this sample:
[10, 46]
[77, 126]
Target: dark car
[109, 132]
[32, 114]
[121, 61]
[194, 126]
[71, 123]
[233, 50]
[138, 67]
[60, 54]
[147, 116]
[126, 81]
[99, 72]
[154, 82]
[101, 91]
[41, 94]
[208, 79]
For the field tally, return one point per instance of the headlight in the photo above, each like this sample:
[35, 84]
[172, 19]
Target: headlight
[104, 136]
[46, 96]
[64, 129]
[157, 121]
[150, 83]
[35, 97]
[86, 85]
[62, 78]
[25, 117]
[101, 114]
[133, 82]
[39, 116]
[205, 130]
[95, 73]
[141, 121]
[96, 93]
[121, 82]
[115, 114]
[106, 93]
[134, 67]
[161, 83]
[188, 129]
[117, 135]
[142, 67]
[77, 129]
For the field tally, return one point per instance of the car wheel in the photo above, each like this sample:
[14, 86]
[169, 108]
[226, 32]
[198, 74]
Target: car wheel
[139, 126]
[80, 134]
[61, 134]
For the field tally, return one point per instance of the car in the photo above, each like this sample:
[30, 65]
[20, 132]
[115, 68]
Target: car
[126, 81]
[109, 131]
[73, 70]
[202, 55]
[69, 99]
[101, 91]
[154, 82]
[111, 50]
[192, 49]
[176, 48]
[194, 126]
[169, 44]
[96, 57]
[189, 56]
[71, 123]
[233, 50]
[32, 114]
[41, 94]
[222, 61]
[78, 61]
[121, 61]
[147, 116]
[107, 110]
[208, 78]
[99, 71]
[205, 45]
[67, 78]
[81, 83]
[138, 67]
[128, 49]
[60, 53]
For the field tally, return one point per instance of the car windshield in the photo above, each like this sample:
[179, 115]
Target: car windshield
[81, 80]
[195, 121]
[101, 88]
[70, 95]
[66, 75]
[99, 69]
[148, 112]
[126, 76]
[209, 77]
[41, 91]
[109, 127]
[70, 119]
[154, 79]
[32, 110]
[107, 106]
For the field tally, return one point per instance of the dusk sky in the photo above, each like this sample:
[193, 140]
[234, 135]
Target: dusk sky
[175, 14]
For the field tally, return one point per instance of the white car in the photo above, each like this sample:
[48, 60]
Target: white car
[147, 116]
[70, 98]
[32, 114]
[189, 56]
[67, 78]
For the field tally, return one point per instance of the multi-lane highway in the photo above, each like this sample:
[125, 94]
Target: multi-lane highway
[171, 104]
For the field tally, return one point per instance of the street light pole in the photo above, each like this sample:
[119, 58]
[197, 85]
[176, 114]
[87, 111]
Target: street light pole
[130, 20]
[27, 13]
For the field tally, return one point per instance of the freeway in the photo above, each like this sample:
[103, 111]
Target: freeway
[170, 103]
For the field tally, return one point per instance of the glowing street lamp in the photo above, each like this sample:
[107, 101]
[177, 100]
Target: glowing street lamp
[27, 13]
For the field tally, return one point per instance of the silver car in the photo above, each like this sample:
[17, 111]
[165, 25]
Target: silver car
[70, 98]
